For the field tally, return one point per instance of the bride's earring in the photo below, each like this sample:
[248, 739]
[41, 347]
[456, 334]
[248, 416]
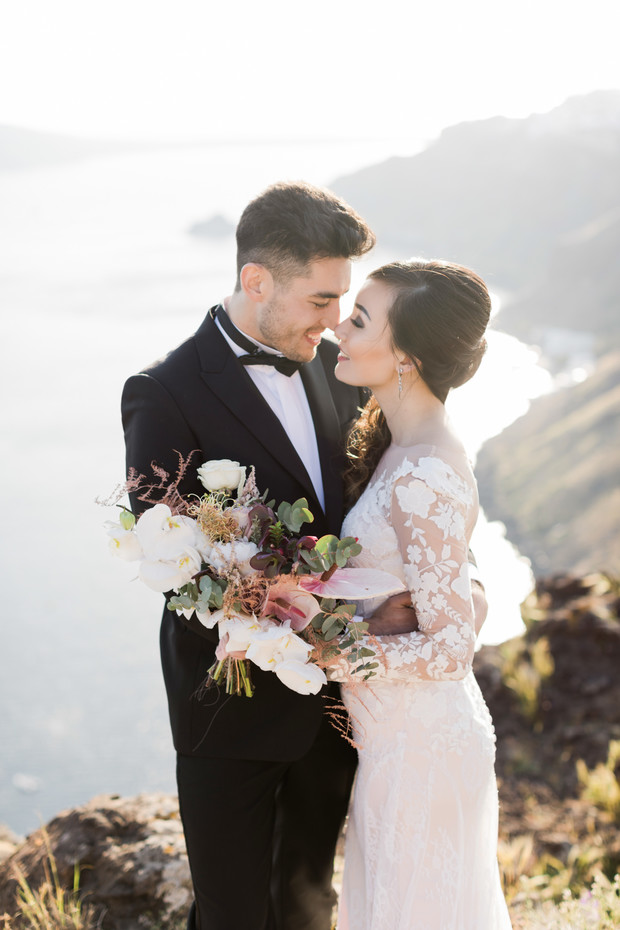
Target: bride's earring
[400, 381]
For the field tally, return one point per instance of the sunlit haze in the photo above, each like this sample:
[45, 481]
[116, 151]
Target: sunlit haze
[276, 70]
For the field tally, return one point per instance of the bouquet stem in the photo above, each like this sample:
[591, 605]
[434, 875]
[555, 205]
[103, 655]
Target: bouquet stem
[245, 675]
[236, 673]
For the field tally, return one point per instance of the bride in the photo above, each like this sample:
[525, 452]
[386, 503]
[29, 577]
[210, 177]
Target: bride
[421, 843]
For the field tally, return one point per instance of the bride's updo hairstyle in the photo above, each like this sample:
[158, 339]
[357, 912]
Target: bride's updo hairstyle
[438, 319]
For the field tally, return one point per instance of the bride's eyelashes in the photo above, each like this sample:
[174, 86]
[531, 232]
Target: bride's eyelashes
[357, 322]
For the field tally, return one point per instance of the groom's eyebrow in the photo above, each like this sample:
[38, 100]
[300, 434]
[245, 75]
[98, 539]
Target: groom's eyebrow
[363, 309]
[327, 295]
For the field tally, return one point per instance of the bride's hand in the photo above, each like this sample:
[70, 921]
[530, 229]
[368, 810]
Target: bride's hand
[396, 615]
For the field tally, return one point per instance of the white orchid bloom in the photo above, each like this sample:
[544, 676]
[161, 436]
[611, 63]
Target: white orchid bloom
[124, 543]
[277, 644]
[241, 629]
[206, 618]
[168, 575]
[165, 537]
[303, 677]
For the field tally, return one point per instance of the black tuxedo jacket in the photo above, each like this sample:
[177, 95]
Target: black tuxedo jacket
[201, 398]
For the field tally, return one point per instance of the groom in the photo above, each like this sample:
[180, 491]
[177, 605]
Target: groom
[263, 782]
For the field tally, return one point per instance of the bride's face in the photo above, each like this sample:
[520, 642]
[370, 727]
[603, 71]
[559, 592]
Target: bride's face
[366, 357]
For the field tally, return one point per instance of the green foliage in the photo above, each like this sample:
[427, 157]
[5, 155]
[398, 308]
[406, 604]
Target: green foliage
[205, 594]
[330, 552]
[335, 622]
[596, 908]
[526, 666]
[333, 619]
[50, 907]
[600, 785]
[293, 516]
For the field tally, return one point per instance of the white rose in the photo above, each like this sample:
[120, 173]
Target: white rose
[165, 537]
[239, 553]
[124, 543]
[221, 475]
[303, 677]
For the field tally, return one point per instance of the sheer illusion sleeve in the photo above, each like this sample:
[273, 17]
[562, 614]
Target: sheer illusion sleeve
[430, 509]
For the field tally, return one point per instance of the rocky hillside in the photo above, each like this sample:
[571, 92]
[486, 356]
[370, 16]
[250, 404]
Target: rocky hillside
[532, 204]
[555, 698]
[554, 694]
[553, 477]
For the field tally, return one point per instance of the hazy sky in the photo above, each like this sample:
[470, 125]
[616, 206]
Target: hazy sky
[280, 69]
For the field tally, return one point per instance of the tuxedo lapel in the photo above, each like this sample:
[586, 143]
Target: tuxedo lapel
[328, 432]
[228, 379]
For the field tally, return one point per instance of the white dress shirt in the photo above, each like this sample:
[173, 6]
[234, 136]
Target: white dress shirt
[287, 398]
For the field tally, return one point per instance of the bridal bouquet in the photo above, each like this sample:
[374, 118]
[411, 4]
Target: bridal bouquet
[274, 594]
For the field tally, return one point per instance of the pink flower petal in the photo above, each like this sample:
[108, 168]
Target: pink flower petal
[353, 584]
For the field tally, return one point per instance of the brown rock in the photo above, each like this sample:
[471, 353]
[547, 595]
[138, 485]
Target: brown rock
[131, 852]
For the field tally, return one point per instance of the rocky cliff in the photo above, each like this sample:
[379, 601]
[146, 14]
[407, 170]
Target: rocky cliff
[553, 477]
[532, 204]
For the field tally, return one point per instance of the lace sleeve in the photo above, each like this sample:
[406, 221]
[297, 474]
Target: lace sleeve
[430, 506]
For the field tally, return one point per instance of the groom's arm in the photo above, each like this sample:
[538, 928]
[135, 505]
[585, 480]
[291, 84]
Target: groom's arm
[397, 615]
[156, 431]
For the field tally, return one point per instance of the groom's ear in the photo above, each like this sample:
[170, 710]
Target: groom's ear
[256, 282]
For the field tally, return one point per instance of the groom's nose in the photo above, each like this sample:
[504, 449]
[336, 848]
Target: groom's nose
[331, 317]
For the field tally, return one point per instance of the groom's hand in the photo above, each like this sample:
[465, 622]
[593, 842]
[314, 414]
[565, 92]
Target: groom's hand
[481, 607]
[396, 615]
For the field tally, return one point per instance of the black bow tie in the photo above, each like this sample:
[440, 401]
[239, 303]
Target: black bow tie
[285, 366]
[255, 356]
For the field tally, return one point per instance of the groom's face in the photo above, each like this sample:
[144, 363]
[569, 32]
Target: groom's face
[295, 317]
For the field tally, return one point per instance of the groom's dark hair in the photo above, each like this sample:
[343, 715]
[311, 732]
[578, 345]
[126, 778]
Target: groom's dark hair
[290, 225]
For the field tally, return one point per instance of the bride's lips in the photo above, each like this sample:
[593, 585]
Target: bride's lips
[341, 356]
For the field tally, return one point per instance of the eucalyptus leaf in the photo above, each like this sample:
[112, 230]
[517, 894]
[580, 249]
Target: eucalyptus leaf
[330, 652]
[313, 560]
[347, 611]
[295, 515]
[331, 628]
[205, 584]
[180, 602]
[217, 598]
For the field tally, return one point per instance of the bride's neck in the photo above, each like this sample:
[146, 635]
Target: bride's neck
[417, 416]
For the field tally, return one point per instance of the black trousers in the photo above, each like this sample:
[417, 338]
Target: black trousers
[261, 836]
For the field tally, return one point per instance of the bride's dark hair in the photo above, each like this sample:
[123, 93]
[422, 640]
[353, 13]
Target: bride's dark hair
[438, 319]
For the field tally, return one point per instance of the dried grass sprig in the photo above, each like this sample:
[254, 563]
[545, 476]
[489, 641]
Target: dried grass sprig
[162, 491]
[217, 523]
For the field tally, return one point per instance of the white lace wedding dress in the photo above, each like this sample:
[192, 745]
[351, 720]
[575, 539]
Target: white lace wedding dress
[421, 841]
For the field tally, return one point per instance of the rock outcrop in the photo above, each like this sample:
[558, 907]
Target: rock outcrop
[131, 853]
